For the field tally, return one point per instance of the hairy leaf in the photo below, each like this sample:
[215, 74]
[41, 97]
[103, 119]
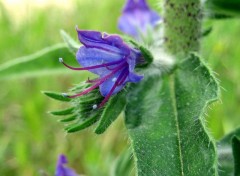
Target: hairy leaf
[112, 110]
[165, 121]
[44, 62]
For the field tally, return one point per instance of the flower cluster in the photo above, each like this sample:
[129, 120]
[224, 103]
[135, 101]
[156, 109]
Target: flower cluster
[62, 170]
[110, 58]
[137, 17]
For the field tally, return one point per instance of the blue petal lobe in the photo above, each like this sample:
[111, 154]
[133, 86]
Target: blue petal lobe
[91, 56]
[135, 78]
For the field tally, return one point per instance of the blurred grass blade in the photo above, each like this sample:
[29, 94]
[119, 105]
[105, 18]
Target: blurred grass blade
[43, 62]
[168, 131]
[63, 112]
[56, 96]
[123, 164]
[73, 46]
[236, 155]
[110, 113]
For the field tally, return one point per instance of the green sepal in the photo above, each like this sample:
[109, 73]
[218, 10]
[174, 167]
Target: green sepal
[56, 96]
[63, 112]
[146, 53]
[83, 124]
[73, 46]
[112, 110]
[68, 119]
[236, 154]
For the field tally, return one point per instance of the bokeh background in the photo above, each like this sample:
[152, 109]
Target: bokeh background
[31, 139]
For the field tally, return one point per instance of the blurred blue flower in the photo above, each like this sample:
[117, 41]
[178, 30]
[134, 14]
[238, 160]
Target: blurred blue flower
[108, 57]
[137, 17]
[62, 170]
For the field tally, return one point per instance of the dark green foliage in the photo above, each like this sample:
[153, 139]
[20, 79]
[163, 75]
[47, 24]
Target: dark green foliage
[228, 154]
[179, 144]
[236, 154]
[224, 7]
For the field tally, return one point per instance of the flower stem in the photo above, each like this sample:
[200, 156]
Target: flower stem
[182, 26]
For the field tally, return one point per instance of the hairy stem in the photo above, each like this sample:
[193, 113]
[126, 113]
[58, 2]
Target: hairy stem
[182, 26]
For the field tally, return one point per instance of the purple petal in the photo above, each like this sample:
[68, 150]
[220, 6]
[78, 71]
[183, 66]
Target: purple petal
[91, 56]
[62, 170]
[109, 43]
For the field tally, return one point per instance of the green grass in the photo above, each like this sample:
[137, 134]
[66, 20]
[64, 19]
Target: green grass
[31, 139]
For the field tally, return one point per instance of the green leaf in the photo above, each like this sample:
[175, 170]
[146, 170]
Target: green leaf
[63, 112]
[236, 154]
[164, 117]
[56, 96]
[44, 62]
[225, 154]
[71, 43]
[112, 110]
[223, 7]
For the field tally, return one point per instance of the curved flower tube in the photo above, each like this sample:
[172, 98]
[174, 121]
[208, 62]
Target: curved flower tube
[137, 17]
[108, 57]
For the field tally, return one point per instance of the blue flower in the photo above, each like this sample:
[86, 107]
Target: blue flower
[62, 170]
[137, 17]
[108, 57]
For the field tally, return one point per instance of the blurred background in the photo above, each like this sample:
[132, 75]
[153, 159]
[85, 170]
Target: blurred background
[31, 139]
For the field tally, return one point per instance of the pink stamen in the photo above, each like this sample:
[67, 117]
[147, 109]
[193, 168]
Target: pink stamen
[100, 81]
[92, 67]
[121, 78]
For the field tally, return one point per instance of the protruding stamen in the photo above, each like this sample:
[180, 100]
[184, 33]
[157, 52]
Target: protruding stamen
[92, 67]
[100, 81]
